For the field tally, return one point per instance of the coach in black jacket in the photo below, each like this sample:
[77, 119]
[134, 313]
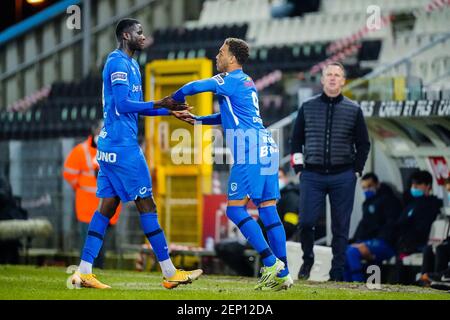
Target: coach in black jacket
[329, 147]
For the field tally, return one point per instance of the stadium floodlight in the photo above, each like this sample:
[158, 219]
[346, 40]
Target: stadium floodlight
[33, 2]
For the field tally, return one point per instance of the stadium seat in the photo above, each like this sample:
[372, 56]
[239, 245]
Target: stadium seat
[432, 22]
[222, 12]
[333, 6]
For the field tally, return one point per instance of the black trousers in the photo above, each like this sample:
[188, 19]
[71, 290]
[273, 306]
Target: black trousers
[313, 190]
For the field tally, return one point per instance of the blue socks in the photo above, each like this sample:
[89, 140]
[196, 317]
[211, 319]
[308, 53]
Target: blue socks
[353, 265]
[94, 239]
[276, 234]
[154, 234]
[252, 232]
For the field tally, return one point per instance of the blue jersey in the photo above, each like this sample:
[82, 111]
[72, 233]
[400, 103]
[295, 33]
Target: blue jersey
[239, 112]
[238, 101]
[120, 129]
[123, 169]
[254, 173]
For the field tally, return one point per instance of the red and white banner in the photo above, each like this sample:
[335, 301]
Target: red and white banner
[440, 169]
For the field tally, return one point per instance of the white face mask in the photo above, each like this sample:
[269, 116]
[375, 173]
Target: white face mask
[281, 184]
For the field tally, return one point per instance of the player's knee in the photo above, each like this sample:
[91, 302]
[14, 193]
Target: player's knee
[109, 213]
[268, 203]
[108, 207]
[237, 203]
[145, 205]
[269, 216]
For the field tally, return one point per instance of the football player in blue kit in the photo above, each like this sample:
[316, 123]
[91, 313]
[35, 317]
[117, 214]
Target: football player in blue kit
[254, 174]
[124, 174]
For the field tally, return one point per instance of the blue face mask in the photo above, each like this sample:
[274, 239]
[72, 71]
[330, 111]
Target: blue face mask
[369, 193]
[417, 192]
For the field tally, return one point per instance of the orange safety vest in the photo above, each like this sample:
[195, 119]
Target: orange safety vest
[80, 172]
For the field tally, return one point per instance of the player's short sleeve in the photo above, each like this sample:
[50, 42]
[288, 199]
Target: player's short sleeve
[118, 71]
[225, 84]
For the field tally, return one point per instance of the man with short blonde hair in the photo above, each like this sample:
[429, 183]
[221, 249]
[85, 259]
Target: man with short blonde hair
[329, 147]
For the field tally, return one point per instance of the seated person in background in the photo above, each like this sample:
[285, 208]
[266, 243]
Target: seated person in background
[414, 225]
[287, 206]
[374, 238]
[436, 259]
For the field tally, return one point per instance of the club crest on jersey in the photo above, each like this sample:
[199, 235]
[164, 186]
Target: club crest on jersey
[219, 78]
[234, 186]
[119, 76]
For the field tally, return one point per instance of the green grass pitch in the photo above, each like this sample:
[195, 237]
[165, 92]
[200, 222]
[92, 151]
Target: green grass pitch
[30, 282]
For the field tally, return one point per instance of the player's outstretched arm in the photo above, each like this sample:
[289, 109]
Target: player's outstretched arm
[161, 112]
[169, 103]
[212, 119]
[155, 112]
[125, 105]
[194, 87]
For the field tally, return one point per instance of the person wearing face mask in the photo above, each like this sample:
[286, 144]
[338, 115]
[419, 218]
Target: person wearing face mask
[414, 225]
[374, 239]
[435, 270]
[80, 171]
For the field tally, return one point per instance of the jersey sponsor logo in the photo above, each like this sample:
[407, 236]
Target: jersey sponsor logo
[103, 134]
[257, 120]
[220, 78]
[268, 139]
[109, 157]
[119, 76]
[264, 151]
[143, 190]
[136, 88]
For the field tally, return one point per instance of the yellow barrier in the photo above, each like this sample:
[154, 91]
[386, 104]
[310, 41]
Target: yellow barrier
[179, 188]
